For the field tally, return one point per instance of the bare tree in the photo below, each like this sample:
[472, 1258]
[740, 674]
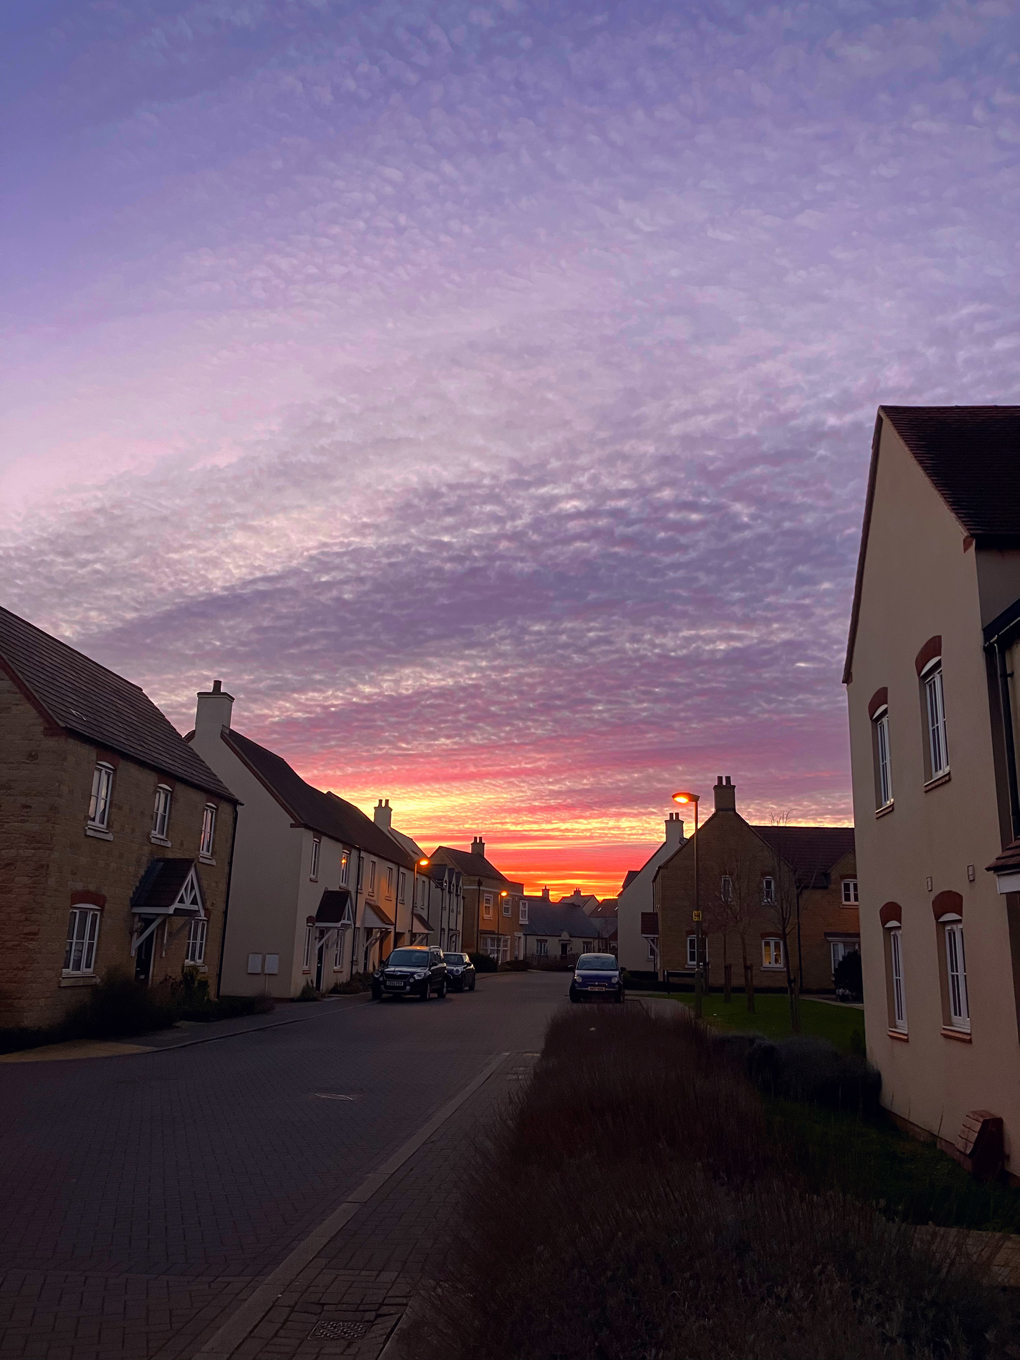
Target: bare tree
[738, 908]
[780, 900]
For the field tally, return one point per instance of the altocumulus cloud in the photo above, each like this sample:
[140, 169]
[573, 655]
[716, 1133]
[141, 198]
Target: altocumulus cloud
[485, 391]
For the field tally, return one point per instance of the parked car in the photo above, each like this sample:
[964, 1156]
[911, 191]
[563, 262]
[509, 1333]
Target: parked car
[596, 977]
[418, 971]
[460, 973]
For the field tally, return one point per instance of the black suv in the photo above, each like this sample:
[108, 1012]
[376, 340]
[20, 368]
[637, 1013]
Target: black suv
[418, 971]
[460, 972]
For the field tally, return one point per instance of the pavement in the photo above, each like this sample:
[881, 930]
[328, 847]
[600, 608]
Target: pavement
[271, 1188]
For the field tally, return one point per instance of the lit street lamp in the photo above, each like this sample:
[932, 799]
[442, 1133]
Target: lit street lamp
[699, 973]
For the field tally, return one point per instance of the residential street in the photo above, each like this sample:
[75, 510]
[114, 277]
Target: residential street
[143, 1198]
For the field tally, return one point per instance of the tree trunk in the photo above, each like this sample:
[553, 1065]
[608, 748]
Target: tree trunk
[791, 987]
[727, 983]
[748, 977]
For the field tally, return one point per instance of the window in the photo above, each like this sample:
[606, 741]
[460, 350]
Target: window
[307, 960]
[850, 898]
[522, 915]
[82, 933]
[161, 812]
[403, 886]
[371, 875]
[345, 867]
[588, 947]
[99, 803]
[487, 905]
[935, 710]
[771, 952]
[726, 888]
[542, 948]
[768, 889]
[507, 906]
[316, 849]
[361, 871]
[389, 880]
[956, 974]
[208, 829]
[883, 767]
[338, 952]
[839, 949]
[898, 1007]
[692, 951]
[196, 941]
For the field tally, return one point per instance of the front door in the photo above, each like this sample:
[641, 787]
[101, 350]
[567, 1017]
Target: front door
[143, 955]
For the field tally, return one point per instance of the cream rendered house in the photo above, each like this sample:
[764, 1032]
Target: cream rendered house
[635, 909]
[931, 683]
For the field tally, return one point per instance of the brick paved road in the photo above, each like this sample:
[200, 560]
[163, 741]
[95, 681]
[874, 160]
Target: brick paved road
[142, 1197]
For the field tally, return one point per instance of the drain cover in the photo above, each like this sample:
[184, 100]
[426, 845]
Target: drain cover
[338, 1330]
[332, 1095]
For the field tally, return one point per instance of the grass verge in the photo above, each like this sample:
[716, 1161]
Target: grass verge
[771, 1018]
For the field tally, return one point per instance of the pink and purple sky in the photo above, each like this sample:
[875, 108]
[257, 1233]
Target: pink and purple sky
[484, 392]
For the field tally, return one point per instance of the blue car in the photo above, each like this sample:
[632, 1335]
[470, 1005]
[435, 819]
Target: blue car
[596, 978]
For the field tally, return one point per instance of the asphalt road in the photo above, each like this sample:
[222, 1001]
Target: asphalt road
[140, 1193]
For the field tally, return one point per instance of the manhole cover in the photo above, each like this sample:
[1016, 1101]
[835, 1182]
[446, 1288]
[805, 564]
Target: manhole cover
[339, 1330]
[333, 1095]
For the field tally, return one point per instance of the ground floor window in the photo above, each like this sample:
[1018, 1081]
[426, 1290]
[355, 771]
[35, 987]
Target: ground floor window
[196, 941]
[454, 942]
[839, 949]
[956, 974]
[541, 948]
[338, 952]
[82, 934]
[772, 953]
[309, 941]
[588, 947]
[899, 1004]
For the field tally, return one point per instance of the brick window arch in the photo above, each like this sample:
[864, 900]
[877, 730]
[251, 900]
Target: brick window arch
[891, 914]
[947, 903]
[931, 649]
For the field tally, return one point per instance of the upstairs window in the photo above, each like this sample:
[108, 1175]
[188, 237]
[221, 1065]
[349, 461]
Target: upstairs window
[726, 888]
[389, 880]
[161, 812]
[208, 829]
[935, 717]
[523, 913]
[768, 889]
[402, 881]
[883, 765]
[316, 851]
[345, 867]
[487, 904]
[371, 875]
[82, 934]
[102, 787]
[507, 906]
[850, 898]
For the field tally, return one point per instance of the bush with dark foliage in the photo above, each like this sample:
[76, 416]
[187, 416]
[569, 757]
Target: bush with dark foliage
[848, 978]
[484, 963]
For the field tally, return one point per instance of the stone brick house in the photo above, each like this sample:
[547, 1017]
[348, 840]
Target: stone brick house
[115, 837]
[752, 880]
[491, 902]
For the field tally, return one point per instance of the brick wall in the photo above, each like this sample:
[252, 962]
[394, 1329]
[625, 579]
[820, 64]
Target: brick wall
[45, 857]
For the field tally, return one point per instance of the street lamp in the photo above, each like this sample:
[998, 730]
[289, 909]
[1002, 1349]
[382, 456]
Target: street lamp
[422, 863]
[699, 975]
[499, 933]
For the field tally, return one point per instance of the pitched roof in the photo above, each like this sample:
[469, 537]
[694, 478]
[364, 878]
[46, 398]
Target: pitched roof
[471, 866]
[553, 918]
[85, 698]
[310, 807]
[629, 878]
[971, 455]
[810, 851]
[607, 907]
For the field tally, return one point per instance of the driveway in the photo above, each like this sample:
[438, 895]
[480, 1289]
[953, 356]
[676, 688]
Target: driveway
[147, 1198]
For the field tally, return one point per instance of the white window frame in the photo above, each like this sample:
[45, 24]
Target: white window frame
[389, 880]
[402, 886]
[772, 953]
[306, 959]
[692, 951]
[371, 875]
[935, 714]
[726, 888]
[487, 906]
[851, 894]
[768, 889]
[882, 757]
[198, 930]
[338, 951]
[208, 839]
[542, 949]
[161, 811]
[956, 976]
[102, 795]
[313, 872]
[508, 909]
[899, 996]
[345, 867]
[522, 914]
[82, 941]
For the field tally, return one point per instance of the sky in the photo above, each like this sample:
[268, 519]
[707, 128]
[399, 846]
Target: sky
[484, 392]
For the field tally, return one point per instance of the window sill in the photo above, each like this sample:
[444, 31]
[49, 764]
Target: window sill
[79, 980]
[900, 1034]
[99, 832]
[159, 840]
[962, 1036]
[885, 810]
[772, 968]
[939, 779]
[206, 859]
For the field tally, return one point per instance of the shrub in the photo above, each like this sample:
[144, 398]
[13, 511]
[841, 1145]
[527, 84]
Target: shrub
[849, 977]
[22, 1037]
[514, 966]
[484, 963]
[805, 1068]
[116, 1007]
[233, 1007]
[308, 993]
[357, 982]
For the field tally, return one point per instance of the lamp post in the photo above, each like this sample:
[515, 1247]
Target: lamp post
[499, 933]
[699, 973]
[418, 864]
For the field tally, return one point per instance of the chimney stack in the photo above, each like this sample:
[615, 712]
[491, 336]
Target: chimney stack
[725, 795]
[545, 894]
[674, 830]
[213, 711]
[478, 846]
[383, 814]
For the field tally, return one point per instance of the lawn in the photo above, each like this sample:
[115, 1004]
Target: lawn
[771, 1017]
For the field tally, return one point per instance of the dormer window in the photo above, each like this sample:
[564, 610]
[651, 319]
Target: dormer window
[161, 812]
[102, 787]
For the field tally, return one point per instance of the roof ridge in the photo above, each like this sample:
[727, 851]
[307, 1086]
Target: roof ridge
[51, 637]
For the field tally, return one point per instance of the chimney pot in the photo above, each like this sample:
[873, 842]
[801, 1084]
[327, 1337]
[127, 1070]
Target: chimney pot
[725, 795]
[217, 686]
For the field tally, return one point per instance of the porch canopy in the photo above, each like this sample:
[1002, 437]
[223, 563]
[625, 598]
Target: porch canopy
[335, 909]
[168, 887]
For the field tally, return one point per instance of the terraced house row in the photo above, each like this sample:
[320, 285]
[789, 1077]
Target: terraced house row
[125, 845]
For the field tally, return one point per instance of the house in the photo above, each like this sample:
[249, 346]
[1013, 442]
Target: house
[415, 909]
[781, 901]
[588, 901]
[931, 684]
[604, 916]
[490, 902]
[557, 930]
[115, 836]
[636, 921]
[318, 891]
